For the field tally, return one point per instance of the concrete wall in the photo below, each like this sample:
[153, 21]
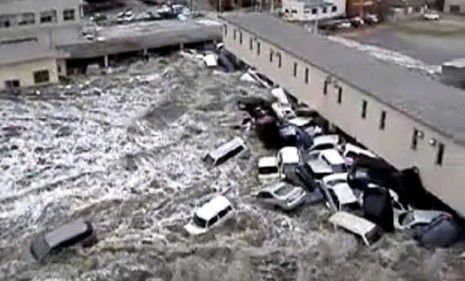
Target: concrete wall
[394, 143]
[305, 14]
[56, 33]
[449, 3]
[24, 72]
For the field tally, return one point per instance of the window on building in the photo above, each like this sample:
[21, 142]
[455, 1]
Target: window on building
[314, 11]
[41, 76]
[251, 43]
[234, 34]
[325, 87]
[12, 84]
[68, 15]
[306, 75]
[364, 109]
[271, 55]
[382, 120]
[414, 139]
[324, 10]
[333, 9]
[294, 11]
[240, 37]
[48, 16]
[440, 154]
[225, 29]
[339, 94]
[295, 69]
[258, 48]
[5, 21]
[279, 60]
[27, 19]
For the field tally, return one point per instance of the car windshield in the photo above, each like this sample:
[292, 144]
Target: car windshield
[284, 190]
[199, 221]
[374, 235]
[268, 170]
[406, 218]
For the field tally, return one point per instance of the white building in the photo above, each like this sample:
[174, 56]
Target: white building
[454, 6]
[405, 118]
[310, 10]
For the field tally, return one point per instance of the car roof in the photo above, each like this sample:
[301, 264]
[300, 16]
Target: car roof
[213, 207]
[351, 222]
[66, 232]
[300, 121]
[358, 150]
[326, 139]
[336, 176]
[224, 148]
[272, 187]
[344, 193]
[333, 156]
[290, 154]
[267, 161]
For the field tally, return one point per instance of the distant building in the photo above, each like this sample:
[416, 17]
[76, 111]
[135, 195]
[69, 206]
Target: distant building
[30, 31]
[310, 10]
[454, 6]
[361, 7]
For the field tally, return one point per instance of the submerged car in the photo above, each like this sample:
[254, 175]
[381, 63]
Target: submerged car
[224, 152]
[75, 232]
[282, 195]
[367, 231]
[212, 214]
[414, 218]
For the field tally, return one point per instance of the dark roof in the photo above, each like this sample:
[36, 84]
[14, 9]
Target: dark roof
[22, 52]
[423, 99]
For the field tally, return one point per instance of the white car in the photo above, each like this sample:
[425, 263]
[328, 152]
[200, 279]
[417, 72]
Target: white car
[210, 59]
[259, 78]
[411, 218]
[212, 214]
[326, 160]
[268, 169]
[325, 142]
[338, 192]
[431, 16]
[282, 195]
[283, 111]
[224, 152]
[351, 152]
[280, 95]
[369, 232]
[288, 158]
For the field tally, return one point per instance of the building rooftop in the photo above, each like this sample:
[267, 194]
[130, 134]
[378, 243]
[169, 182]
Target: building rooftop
[22, 52]
[427, 101]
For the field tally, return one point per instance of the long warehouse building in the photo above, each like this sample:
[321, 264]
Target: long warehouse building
[407, 119]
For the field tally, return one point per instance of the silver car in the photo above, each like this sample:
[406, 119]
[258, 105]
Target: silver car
[282, 195]
[412, 218]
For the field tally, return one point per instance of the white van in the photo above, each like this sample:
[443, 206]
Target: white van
[369, 232]
[224, 152]
[213, 213]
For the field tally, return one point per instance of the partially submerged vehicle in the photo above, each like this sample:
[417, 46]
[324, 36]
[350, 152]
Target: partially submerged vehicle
[225, 152]
[211, 214]
[282, 195]
[268, 169]
[75, 232]
[416, 218]
[367, 231]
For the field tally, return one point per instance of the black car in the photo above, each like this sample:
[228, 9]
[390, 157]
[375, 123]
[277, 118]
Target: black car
[304, 176]
[74, 232]
[367, 171]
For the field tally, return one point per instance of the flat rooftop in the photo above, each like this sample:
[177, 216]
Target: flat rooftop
[423, 99]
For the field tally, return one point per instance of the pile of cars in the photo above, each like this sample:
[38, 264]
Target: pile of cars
[315, 166]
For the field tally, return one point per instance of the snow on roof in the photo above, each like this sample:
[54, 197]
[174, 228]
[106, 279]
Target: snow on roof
[267, 161]
[213, 207]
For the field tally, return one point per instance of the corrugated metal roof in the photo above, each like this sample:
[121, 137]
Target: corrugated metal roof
[427, 101]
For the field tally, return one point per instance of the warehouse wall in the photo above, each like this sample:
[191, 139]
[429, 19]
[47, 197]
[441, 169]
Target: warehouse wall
[393, 143]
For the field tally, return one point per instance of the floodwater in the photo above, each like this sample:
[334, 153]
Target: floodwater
[124, 151]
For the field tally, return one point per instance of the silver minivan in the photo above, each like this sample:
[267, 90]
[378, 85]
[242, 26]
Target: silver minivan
[225, 152]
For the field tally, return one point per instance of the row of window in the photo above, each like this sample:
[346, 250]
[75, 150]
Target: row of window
[364, 109]
[314, 11]
[50, 16]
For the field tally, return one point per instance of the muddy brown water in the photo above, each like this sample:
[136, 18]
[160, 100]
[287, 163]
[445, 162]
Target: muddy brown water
[128, 159]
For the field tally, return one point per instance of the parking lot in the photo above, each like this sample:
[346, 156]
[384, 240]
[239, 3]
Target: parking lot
[125, 149]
